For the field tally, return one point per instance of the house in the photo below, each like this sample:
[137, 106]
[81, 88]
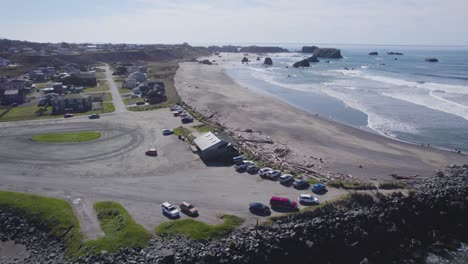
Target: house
[12, 93]
[70, 68]
[212, 148]
[80, 79]
[4, 62]
[138, 76]
[131, 83]
[71, 103]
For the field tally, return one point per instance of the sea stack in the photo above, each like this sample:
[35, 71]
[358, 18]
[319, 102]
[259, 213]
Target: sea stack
[330, 53]
[268, 61]
[395, 53]
[313, 59]
[245, 60]
[373, 53]
[302, 63]
[309, 49]
[431, 60]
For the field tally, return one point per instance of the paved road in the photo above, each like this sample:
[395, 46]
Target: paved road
[116, 97]
[114, 167]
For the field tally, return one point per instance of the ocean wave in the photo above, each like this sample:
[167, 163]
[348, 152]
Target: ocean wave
[460, 89]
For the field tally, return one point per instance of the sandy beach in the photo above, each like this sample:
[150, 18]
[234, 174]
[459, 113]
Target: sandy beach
[342, 149]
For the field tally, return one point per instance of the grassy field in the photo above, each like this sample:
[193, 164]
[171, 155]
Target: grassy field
[100, 88]
[124, 91]
[350, 185]
[55, 214]
[182, 131]
[81, 136]
[130, 101]
[203, 128]
[198, 230]
[120, 229]
[43, 85]
[22, 113]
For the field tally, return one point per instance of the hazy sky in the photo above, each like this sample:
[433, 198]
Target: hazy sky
[430, 22]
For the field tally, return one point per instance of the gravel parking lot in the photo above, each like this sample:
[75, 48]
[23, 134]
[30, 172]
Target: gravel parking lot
[114, 167]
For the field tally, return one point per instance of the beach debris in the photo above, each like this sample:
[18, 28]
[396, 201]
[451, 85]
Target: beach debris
[282, 152]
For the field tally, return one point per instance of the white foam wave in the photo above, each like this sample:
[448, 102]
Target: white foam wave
[379, 123]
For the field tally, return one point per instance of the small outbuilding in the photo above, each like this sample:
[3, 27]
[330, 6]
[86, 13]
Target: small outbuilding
[212, 148]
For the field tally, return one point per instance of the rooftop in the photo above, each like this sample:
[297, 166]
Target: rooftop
[206, 141]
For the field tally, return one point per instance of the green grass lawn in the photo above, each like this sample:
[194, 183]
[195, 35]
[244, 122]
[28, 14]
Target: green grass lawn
[22, 113]
[182, 131]
[130, 101]
[120, 229]
[100, 88]
[125, 90]
[351, 185]
[62, 137]
[55, 214]
[203, 128]
[198, 230]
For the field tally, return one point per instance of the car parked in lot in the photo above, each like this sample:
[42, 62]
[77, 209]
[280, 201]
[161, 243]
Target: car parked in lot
[151, 152]
[286, 179]
[301, 184]
[259, 208]
[252, 169]
[263, 171]
[308, 199]
[238, 159]
[243, 165]
[188, 209]
[94, 116]
[272, 175]
[283, 203]
[68, 115]
[170, 210]
[188, 119]
[140, 103]
[166, 132]
[318, 188]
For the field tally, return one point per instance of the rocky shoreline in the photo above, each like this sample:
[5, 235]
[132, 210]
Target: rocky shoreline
[364, 229]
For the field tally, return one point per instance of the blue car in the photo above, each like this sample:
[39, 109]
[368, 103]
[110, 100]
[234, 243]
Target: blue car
[259, 208]
[318, 188]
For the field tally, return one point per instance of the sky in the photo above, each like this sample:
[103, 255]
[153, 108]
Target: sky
[383, 22]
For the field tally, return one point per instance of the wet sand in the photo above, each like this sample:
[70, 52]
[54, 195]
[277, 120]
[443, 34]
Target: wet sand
[342, 148]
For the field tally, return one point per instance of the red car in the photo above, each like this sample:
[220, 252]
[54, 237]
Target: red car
[151, 152]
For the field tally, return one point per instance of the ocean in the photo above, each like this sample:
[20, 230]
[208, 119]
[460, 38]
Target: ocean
[403, 97]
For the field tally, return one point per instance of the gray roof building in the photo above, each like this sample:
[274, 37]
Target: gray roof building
[210, 147]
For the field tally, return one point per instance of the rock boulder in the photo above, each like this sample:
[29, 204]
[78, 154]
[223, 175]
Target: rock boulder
[313, 59]
[330, 53]
[373, 53]
[309, 49]
[431, 60]
[268, 61]
[302, 63]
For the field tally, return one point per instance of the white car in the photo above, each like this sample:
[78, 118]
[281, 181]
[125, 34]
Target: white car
[308, 199]
[272, 175]
[170, 210]
[263, 171]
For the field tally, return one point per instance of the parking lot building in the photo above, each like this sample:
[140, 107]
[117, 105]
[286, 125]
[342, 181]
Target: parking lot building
[212, 148]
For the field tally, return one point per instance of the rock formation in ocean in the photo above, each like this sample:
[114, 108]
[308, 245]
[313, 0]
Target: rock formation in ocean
[257, 49]
[431, 60]
[394, 53]
[309, 49]
[268, 61]
[302, 63]
[330, 53]
[228, 48]
[373, 53]
[313, 59]
[245, 60]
